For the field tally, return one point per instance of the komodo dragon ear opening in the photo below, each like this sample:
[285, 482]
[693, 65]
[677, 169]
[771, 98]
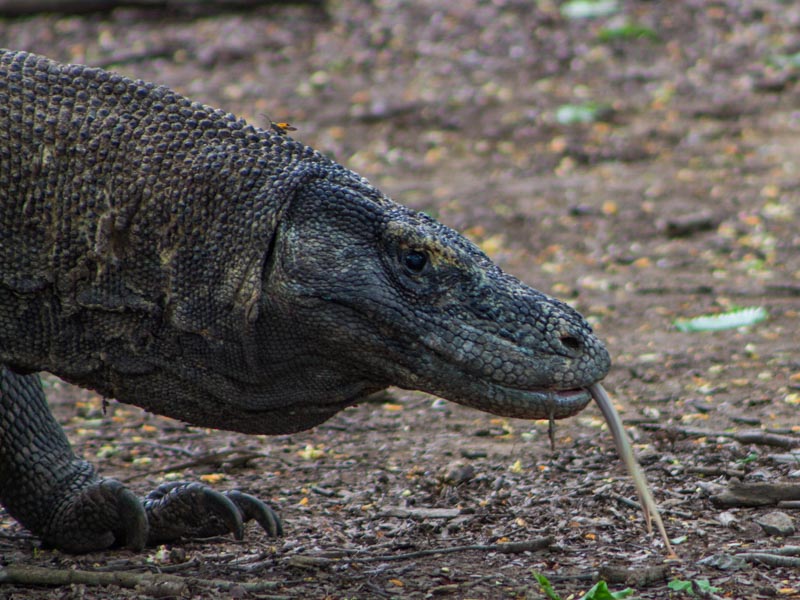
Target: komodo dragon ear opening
[238, 282]
[285, 189]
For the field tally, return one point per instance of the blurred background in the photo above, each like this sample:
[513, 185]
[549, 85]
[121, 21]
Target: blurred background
[637, 159]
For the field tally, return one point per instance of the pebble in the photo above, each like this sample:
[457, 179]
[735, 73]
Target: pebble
[457, 473]
[776, 523]
[727, 519]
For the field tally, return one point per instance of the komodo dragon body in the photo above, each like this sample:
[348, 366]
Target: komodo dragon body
[171, 256]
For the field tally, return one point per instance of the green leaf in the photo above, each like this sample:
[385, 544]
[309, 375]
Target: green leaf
[629, 31]
[589, 9]
[679, 540]
[704, 585]
[588, 112]
[600, 591]
[677, 585]
[740, 317]
[546, 586]
[785, 61]
[752, 457]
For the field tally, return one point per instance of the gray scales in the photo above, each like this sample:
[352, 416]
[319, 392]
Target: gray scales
[171, 256]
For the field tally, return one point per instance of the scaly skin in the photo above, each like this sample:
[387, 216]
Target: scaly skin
[170, 256]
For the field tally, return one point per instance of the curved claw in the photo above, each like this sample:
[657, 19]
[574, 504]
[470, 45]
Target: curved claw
[134, 518]
[253, 508]
[98, 516]
[180, 509]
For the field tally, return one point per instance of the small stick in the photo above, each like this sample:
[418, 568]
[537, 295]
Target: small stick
[504, 548]
[639, 577]
[763, 438]
[649, 507]
[771, 560]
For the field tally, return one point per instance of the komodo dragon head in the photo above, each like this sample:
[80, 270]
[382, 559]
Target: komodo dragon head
[361, 293]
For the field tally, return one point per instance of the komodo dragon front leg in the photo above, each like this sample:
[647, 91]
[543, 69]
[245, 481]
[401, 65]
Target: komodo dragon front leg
[60, 496]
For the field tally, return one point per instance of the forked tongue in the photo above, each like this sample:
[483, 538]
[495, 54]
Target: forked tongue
[625, 451]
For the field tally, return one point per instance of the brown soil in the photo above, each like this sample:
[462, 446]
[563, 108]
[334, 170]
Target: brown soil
[680, 198]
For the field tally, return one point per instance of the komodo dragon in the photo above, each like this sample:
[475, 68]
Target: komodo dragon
[171, 256]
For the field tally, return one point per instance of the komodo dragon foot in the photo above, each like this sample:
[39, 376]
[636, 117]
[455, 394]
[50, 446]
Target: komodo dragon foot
[60, 497]
[181, 509]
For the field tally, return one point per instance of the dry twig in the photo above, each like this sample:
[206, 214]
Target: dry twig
[641, 577]
[757, 494]
[316, 561]
[156, 583]
[754, 436]
[771, 560]
[504, 548]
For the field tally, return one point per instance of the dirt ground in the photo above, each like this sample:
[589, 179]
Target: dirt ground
[678, 197]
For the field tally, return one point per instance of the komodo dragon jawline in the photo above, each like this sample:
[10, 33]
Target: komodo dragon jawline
[171, 256]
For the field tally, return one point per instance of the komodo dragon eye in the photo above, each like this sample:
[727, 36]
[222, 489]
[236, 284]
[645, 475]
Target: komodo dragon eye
[415, 260]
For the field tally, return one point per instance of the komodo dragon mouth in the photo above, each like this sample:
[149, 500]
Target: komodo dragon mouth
[570, 397]
[519, 403]
[565, 403]
[504, 377]
[507, 402]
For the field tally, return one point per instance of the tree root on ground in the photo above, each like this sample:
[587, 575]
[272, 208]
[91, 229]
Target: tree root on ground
[757, 494]
[150, 584]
